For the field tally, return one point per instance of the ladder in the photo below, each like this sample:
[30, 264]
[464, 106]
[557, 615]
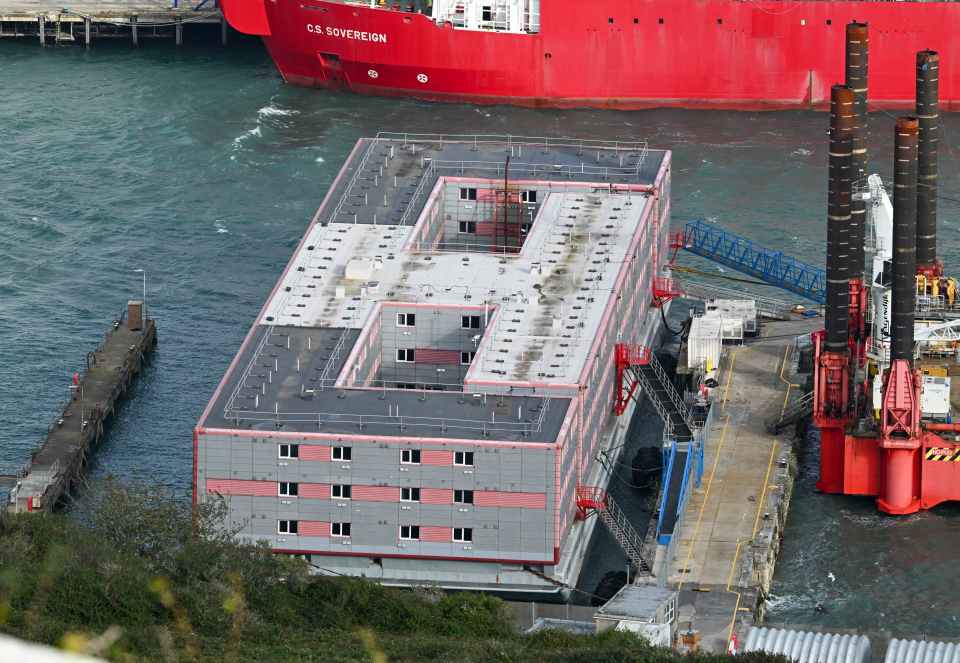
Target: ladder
[596, 500]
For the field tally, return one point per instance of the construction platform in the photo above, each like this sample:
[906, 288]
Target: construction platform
[110, 369]
[722, 554]
[82, 23]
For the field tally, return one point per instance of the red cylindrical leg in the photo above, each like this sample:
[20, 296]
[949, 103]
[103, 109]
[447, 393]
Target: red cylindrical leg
[898, 485]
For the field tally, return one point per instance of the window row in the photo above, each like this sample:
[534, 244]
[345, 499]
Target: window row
[293, 451]
[407, 456]
[470, 193]
[406, 533]
[409, 356]
[466, 321]
[340, 491]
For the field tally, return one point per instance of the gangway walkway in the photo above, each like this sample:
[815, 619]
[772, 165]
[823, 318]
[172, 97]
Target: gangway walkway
[596, 500]
[637, 366]
[739, 253]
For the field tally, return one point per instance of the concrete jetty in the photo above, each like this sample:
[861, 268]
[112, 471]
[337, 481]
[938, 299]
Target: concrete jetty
[86, 21]
[723, 555]
[58, 462]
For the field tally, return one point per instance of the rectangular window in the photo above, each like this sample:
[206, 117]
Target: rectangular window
[340, 453]
[410, 456]
[467, 357]
[409, 494]
[406, 319]
[470, 322]
[463, 534]
[340, 491]
[405, 355]
[286, 527]
[464, 458]
[486, 14]
[467, 227]
[468, 193]
[463, 497]
[286, 489]
[406, 385]
[288, 451]
[340, 529]
[410, 532]
[528, 196]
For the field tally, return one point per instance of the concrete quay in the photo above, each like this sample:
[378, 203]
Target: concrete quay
[722, 558]
[86, 21]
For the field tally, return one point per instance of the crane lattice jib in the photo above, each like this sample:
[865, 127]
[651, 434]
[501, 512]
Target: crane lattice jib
[743, 255]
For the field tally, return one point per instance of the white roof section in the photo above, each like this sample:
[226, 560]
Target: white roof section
[548, 301]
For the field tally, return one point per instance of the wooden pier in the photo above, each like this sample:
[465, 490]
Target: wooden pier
[86, 21]
[56, 466]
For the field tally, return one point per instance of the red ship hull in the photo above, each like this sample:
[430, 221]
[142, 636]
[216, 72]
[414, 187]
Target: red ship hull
[610, 53]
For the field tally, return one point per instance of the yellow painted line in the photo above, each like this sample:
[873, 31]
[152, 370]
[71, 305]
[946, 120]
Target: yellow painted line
[763, 494]
[733, 620]
[733, 362]
[703, 505]
[790, 385]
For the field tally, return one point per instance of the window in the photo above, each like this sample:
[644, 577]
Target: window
[463, 534]
[468, 194]
[464, 458]
[405, 354]
[340, 529]
[286, 527]
[468, 227]
[406, 385]
[340, 491]
[486, 13]
[528, 196]
[410, 532]
[470, 322]
[340, 453]
[410, 456]
[409, 494]
[467, 357]
[463, 497]
[406, 319]
[288, 451]
[285, 489]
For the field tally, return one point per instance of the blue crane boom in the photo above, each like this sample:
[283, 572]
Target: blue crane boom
[741, 254]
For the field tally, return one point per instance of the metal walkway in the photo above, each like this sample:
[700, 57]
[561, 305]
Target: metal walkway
[741, 254]
[596, 500]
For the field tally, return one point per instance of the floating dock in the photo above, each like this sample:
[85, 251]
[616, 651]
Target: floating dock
[82, 23]
[57, 464]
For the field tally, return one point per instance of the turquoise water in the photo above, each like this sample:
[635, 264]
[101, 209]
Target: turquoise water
[202, 168]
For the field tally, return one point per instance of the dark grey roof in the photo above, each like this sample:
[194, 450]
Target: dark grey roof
[388, 178]
[266, 391]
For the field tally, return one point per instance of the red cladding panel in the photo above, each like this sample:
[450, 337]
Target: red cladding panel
[433, 457]
[376, 494]
[240, 487]
[435, 534]
[428, 356]
[313, 528]
[314, 452]
[316, 491]
[501, 498]
[436, 496]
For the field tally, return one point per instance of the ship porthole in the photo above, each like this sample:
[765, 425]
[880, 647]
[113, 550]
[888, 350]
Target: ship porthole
[422, 78]
[372, 73]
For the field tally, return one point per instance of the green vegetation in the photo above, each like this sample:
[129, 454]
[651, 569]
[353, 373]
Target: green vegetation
[138, 585]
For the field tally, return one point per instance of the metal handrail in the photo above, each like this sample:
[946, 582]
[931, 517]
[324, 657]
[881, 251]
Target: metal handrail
[362, 420]
[672, 392]
[333, 358]
[241, 383]
[353, 180]
[499, 139]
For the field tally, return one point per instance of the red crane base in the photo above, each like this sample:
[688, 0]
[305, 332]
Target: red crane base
[856, 465]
